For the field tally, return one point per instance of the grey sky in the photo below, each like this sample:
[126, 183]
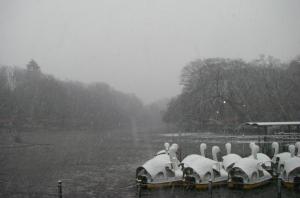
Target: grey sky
[140, 46]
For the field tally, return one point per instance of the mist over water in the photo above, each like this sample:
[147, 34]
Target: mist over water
[139, 46]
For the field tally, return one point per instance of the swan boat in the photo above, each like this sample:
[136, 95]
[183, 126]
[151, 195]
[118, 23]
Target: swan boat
[279, 159]
[248, 173]
[290, 174]
[161, 171]
[265, 160]
[199, 171]
[230, 159]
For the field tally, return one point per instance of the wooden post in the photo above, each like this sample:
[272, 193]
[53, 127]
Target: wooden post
[180, 145]
[210, 187]
[266, 130]
[265, 139]
[180, 153]
[265, 148]
[172, 190]
[276, 168]
[59, 189]
[259, 143]
[278, 187]
[139, 190]
[243, 145]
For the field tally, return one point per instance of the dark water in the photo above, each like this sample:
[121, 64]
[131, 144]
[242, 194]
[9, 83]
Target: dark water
[93, 164]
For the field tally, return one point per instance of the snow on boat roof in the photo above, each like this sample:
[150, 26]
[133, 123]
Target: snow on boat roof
[292, 164]
[161, 152]
[282, 157]
[191, 158]
[272, 123]
[157, 164]
[201, 165]
[248, 165]
[230, 159]
[261, 157]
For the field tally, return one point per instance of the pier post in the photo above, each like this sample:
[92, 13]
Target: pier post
[277, 167]
[243, 144]
[210, 188]
[139, 190]
[278, 187]
[259, 142]
[59, 189]
[172, 190]
[265, 148]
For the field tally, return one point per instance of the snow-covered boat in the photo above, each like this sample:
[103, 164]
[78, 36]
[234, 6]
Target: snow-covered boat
[199, 170]
[161, 171]
[265, 160]
[290, 174]
[188, 160]
[279, 159]
[230, 159]
[248, 173]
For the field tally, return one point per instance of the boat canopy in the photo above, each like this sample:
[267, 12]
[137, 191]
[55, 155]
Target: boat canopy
[263, 158]
[248, 165]
[292, 164]
[229, 159]
[282, 157]
[157, 164]
[161, 152]
[202, 166]
[188, 160]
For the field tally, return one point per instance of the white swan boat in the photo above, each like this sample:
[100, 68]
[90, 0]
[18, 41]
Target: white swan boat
[265, 160]
[279, 159]
[290, 174]
[188, 160]
[230, 159]
[199, 170]
[248, 173]
[161, 171]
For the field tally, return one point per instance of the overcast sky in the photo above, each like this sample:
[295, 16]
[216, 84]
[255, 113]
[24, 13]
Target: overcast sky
[140, 46]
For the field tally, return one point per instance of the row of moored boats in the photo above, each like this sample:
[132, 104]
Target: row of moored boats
[198, 171]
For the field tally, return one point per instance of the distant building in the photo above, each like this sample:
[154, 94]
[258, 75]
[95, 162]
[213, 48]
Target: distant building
[33, 66]
[282, 127]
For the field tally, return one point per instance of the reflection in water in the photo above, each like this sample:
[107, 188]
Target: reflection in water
[268, 191]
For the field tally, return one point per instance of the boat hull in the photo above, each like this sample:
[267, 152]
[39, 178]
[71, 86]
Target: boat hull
[159, 185]
[247, 186]
[291, 185]
[206, 186]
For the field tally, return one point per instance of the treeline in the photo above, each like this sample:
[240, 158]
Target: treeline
[31, 99]
[221, 93]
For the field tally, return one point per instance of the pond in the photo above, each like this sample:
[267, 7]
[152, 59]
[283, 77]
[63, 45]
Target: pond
[94, 164]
